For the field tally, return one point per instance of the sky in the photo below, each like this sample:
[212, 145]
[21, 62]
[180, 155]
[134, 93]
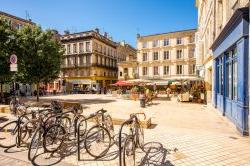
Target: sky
[122, 19]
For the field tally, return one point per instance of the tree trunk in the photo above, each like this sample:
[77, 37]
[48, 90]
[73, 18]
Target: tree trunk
[37, 92]
[1, 97]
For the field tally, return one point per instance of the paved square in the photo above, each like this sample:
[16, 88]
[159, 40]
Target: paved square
[190, 134]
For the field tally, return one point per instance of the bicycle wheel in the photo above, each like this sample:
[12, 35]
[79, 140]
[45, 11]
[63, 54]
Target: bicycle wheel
[109, 125]
[65, 121]
[139, 136]
[129, 152]
[97, 141]
[26, 131]
[35, 144]
[82, 124]
[53, 138]
[8, 135]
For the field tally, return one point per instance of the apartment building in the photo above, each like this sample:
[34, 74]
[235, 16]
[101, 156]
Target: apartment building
[167, 55]
[222, 59]
[128, 67]
[16, 22]
[90, 58]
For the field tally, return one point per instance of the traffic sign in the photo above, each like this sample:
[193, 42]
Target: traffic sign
[13, 59]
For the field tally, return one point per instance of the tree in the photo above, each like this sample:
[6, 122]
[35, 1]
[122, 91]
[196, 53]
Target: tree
[40, 56]
[7, 47]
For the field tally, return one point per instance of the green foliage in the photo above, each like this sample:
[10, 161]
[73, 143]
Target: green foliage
[7, 47]
[40, 55]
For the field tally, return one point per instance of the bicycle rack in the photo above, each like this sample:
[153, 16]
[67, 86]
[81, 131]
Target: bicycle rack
[78, 134]
[120, 140]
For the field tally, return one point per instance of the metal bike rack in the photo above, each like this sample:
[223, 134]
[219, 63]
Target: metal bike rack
[78, 133]
[120, 139]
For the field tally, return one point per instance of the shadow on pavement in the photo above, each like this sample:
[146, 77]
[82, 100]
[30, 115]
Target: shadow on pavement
[156, 155]
[3, 119]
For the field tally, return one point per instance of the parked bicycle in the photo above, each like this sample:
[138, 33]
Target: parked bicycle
[97, 140]
[134, 140]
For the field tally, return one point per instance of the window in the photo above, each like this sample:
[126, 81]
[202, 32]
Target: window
[155, 54]
[87, 46]
[235, 74]
[231, 74]
[74, 48]
[156, 71]
[144, 45]
[220, 75]
[120, 74]
[166, 55]
[145, 71]
[68, 49]
[179, 54]
[104, 50]
[191, 69]
[155, 43]
[228, 76]
[166, 70]
[179, 69]
[179, 40]
[165, 42]
[80, 47]
[144, 56]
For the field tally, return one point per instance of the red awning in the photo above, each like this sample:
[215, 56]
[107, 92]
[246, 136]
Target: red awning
[122, 83]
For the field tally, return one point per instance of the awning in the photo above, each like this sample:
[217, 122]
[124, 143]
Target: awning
[159, 83]
[85, 82]
[122, 83]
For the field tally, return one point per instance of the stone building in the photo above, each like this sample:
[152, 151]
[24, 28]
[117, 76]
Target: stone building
[16, 22]
[223, 44]
[128, 67]
[212, 17]
[167, 55]
[90, 59]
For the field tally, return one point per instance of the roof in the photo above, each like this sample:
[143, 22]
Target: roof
[15, 17]
[186, 30]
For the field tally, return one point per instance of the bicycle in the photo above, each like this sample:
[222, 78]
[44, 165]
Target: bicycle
[48, 135]
[10, 132]
[135, 139]
[97, 140]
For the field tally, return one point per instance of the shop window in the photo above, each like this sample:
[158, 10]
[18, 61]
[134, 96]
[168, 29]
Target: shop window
[235, 74]
[220, 75]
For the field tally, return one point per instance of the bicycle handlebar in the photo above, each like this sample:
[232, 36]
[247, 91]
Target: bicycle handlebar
[139, 113]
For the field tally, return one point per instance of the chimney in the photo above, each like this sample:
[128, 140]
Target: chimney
[106, 34]
[123, 43]
[138, 35]
[97, 30]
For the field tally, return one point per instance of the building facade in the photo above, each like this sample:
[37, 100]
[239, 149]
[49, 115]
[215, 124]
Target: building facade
[16, 22]
[167, 55]
[90, 59]
[128, 67]
[212, 17]
[223, 43]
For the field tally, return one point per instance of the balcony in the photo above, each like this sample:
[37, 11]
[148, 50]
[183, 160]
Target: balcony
[84, 65]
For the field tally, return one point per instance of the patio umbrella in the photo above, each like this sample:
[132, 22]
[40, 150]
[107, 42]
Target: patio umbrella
[122, 83]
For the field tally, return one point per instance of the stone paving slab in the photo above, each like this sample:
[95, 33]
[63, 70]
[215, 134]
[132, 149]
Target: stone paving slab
[190, 134]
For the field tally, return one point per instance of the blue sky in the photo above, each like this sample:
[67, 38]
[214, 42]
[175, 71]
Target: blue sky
[122, 19]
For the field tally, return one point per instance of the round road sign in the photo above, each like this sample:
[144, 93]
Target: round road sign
[13, 59]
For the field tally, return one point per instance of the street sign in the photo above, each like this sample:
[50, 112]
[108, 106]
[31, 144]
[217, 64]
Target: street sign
[13, 59]
[13, 67]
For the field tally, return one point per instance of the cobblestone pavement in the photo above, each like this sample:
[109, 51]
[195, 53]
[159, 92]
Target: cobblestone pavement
[188, 134]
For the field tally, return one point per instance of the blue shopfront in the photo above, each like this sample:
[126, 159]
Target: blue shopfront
[231, 74]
